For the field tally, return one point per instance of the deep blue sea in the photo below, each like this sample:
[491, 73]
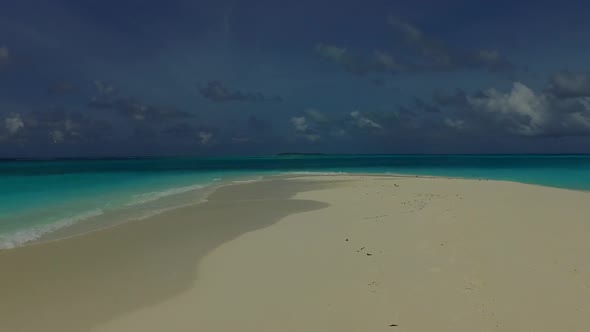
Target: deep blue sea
[38, 197]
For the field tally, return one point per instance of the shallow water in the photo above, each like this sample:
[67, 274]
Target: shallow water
[39, 197]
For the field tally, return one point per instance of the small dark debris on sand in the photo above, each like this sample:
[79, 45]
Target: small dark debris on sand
[369, 254]
[376, 217]
[392, 325]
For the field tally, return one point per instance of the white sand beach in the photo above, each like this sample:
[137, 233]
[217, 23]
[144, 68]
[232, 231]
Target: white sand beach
[320, 253]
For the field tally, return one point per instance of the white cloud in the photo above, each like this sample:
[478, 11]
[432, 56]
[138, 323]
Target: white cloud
[4, 55]
[302, 128]
[437, 54]
[408, 30]
[57, 136]
[524, 112]
[316, 115]
[205, 137]
[386, 61]
[579, 120]
[13, 124]
[104, 89]
[300, 123]
[455, 123]
[569, 85]
[72, 127]
[312, 137]
[530, 110]
[331, 52]
[489, 56]
[364, 122]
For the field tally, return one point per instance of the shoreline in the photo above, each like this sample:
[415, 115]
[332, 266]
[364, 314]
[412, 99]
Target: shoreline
[81, 228]
[113, 218]
[50, 280]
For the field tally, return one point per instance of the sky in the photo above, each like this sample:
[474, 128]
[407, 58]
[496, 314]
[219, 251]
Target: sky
[82, 78]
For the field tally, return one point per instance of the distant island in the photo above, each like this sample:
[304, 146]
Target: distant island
[300, 154]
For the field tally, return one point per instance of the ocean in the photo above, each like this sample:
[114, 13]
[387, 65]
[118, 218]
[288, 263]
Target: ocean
[40, 197]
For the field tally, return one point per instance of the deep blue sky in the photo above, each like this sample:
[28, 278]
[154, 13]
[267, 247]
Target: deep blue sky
[127, 78]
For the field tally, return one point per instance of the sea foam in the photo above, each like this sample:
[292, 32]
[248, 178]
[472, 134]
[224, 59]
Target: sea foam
[315, 173]
[20, 237]
[256, 179]
[156, 195]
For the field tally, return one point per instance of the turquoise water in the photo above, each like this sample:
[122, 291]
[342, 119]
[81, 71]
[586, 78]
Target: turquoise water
[37, 197]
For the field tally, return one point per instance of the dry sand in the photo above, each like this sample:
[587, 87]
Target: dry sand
[320, 253]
